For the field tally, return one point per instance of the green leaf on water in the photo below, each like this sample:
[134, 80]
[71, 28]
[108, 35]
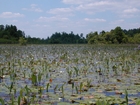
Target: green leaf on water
[12, 99]
[47, 88]
[21, 93]
[39, 77]
[72, 85]
[2, 101]
[76, 71]
[63, 103]
[81, 86]
[56, 87]
[138, 102]
[98, 102]
[18, 100]
[28, 90]
[34, 78]
[11, 87]
[76, 89]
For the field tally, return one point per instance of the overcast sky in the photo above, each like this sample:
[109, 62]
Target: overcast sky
[42, 18]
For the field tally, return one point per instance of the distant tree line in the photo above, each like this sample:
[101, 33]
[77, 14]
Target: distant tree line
[66, 38]
[9, 34]
[59, 38]
[115, 36]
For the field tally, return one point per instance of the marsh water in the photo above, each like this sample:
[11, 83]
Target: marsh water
[69, 74]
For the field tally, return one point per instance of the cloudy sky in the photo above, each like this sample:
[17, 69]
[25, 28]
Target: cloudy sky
[42, 18]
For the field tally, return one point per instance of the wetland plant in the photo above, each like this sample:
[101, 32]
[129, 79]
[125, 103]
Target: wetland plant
[69, 73]
[55, 88]
[12, 100]
[39, 77]
[138, 102]
[1, 73]
[81, 86]
[72, 87]
[34, 79]
[102, 102]
[9, 87]
[76, 88]
[24, 97]
[115, 69]
[2, 101]
[88, 83]
[62, 87]
[76, 71]
[47, 88]
[126, 97]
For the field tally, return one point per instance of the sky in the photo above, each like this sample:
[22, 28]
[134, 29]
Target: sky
[42, 18]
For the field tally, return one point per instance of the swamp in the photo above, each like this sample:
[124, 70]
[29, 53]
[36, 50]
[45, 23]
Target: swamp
[69, 74]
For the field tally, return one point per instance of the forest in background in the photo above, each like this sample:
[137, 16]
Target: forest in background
[9, 34]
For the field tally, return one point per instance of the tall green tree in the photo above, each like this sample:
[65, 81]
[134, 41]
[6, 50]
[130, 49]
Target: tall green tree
[10, 34]
[119, 34]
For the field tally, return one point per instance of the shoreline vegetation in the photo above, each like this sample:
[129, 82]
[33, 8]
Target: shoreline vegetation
[9, 34]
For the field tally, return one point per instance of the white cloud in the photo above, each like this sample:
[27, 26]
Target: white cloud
[60, 10]
[95, 20]
[130, 13]
[117, 22]
[87, 3]
[10, 15]
[33, 7]
[132, 10]
[75, 1]
[100, 3]
[95, 6]
[40, 25]
[50, 19]
[120, 7]
[14, 20]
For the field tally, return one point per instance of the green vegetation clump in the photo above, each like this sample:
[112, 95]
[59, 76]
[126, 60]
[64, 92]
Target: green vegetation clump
[9, 34]
[22, 41]
[115, 36]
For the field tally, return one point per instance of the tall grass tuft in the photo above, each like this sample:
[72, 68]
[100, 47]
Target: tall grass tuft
[126, 97]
